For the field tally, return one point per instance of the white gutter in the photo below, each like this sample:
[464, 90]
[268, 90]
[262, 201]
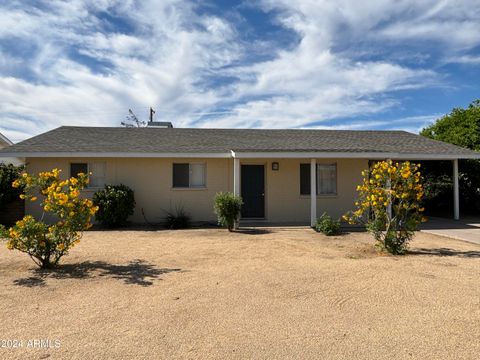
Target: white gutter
[114, 155]
[351, 155]
[247, 155]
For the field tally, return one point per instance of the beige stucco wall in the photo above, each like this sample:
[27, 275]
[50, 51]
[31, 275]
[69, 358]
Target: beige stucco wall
[282, 194]
[151, 179]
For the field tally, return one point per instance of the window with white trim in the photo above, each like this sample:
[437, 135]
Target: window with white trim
[189, 175]
[96, 171]
[326, 179]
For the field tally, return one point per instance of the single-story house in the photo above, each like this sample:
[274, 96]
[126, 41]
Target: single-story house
[4, 142]
[284, 176]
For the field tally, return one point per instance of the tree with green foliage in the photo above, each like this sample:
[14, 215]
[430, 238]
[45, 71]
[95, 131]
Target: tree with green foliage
[8, 174]
[461, 127]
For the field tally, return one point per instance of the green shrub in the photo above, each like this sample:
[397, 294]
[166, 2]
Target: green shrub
[326, 225]
[227, 207]
[116, 203]
[8, 174]
[177, 219]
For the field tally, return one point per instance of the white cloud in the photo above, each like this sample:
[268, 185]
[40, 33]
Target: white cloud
[158, 67]
[464, 59]
[412, 124]
[174, 57]
[452, 22]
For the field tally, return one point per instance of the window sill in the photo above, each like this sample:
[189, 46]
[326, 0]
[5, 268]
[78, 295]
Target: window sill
[324, 196]
[93, 189]
[188, 188]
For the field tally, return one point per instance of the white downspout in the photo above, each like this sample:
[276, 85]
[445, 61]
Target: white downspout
[313, 192]
[236, 177]
[456, 193]
[236, 180]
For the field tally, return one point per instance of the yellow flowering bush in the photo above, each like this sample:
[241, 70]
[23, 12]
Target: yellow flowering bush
[47, 243]
[401, 186]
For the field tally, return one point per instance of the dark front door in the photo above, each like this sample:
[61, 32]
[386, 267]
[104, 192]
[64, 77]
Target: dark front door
[253, 191]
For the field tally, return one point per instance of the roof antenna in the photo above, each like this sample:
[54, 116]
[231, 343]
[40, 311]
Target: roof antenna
[151, 114]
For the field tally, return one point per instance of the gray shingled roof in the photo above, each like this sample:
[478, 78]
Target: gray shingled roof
[69, 139]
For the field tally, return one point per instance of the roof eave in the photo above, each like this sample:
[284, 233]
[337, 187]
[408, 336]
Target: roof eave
[246, 155]
[115, 155]
[354, 155]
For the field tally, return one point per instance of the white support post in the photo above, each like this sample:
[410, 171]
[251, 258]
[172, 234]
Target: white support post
[456, 194]
[236, 182]
[313, 192]
[236, 176]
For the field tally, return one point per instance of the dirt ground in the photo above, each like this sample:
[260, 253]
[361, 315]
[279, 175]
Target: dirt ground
[265, 294]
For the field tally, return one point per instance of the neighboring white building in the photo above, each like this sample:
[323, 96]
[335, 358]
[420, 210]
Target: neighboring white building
[4, 142]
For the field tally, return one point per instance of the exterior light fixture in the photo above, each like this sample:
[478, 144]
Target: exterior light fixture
[275, 166]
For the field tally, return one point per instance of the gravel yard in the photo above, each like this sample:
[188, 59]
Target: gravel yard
[265, 294]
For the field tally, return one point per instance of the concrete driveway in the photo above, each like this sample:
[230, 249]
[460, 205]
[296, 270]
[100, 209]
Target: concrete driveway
[467, 229]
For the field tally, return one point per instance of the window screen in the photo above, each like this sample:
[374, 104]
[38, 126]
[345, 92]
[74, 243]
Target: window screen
[181, 175]
[77, 168]
[304, 179]
[188, 175]
[97, 169]
[326, 179]
[97, 176]
[197, 175]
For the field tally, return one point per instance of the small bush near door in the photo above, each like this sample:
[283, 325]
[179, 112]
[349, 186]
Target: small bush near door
[326, 225]
[116, 203]
[227, 207]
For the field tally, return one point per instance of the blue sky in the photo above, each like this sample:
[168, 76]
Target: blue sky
[344, 64]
